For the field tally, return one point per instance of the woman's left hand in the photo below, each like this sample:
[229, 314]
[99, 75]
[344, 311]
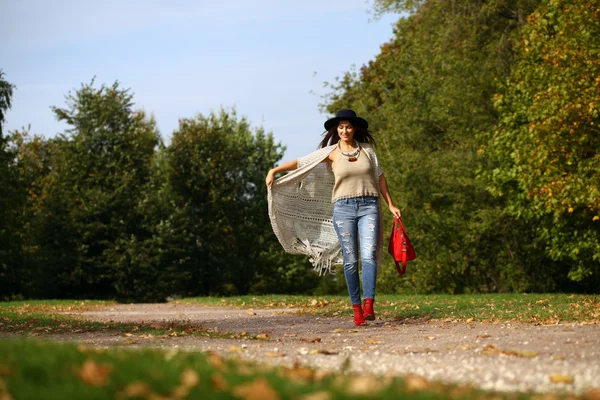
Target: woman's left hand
[396, 211]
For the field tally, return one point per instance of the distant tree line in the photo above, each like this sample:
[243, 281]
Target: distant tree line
[106, 210]
[486, 116]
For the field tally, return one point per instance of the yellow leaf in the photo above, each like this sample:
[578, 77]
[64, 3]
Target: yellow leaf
[256, 390]
[414, 383]
[363, 385]
[322, 395]
[262, 336]
[560, 378]
[274, 354]
[94, 374]
[189, 378]
[235, 349]
[136, 389]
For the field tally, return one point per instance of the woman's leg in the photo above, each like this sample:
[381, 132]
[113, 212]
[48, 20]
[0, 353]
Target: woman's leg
[368, 231]
[345, 225]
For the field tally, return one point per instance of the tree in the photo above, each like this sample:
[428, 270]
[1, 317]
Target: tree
[216, 168]
[99, 170]
[545, 155]
[11, 199]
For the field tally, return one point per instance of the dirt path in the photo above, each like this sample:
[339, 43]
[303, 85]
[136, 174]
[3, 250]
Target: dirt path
[504, 356]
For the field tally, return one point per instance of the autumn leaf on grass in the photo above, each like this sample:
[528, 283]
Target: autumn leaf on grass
[322, 395]
[363, 385]
[218, 382]
[189, 378]
[415, 383]
[560, 378]
[297, 373]
[94, 374]
[256, 390]
[216, 361]
[136, 389]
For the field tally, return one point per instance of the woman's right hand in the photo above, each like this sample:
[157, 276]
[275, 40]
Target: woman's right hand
[270, 178]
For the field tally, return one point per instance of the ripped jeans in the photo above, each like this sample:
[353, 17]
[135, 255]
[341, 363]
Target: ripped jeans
[356, 218]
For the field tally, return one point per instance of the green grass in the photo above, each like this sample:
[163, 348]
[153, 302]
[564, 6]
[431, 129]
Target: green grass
[31, 369]
[517, 307]
[40, 317]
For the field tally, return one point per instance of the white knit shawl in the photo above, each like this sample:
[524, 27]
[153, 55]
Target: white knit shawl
[301, 211]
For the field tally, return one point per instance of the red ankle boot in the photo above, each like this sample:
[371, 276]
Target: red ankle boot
[358, 315]
[369, 314]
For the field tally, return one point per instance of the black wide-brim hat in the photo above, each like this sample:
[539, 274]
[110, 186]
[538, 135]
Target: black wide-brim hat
[346, 115]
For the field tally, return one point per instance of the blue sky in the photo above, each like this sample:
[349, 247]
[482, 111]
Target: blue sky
[266, 58]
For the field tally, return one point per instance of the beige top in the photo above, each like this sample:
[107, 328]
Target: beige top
[353, 178]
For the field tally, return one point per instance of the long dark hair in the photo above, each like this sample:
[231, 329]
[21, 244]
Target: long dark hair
[361, 134]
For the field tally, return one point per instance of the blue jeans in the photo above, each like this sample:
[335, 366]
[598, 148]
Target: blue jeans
[356, 218]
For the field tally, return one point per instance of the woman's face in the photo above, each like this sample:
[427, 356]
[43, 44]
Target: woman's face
[345, 131]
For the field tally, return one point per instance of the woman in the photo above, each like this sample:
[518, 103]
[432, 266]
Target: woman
[330, 201]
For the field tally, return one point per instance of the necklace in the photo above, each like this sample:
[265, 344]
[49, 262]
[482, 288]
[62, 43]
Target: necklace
[351, 155]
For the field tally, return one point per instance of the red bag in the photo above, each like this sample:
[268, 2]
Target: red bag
[400, 247]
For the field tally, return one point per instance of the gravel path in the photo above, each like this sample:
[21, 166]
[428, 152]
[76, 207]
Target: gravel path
[503, 356]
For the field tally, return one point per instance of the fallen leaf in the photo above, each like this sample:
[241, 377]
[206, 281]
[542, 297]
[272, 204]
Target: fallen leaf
[560, 378]
[485, 336]
[129, 341]
[216, 361]
[323, 351]
[262, 336]
[431, 337]
[363, 385]
[235, 349]
[469, 320]
[256, 390]
[491, 349]
[136, 389]
[592, 394]
[313, 302]
[415, 383]
[310, 340]
[322, 395]
[189, 378]
[218, 382]
[128, 334]
[274, 354]
[289, 335]
[94, 374]
[371, 341]
[251, 313]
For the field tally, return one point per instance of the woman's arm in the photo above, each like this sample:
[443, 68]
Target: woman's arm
[385, 192]
[288, 166]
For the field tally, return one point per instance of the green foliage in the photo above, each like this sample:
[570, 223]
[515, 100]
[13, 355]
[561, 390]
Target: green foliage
[98, 172]
[428, 95]
[215, 170]
[544, 155]
[11, 200]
